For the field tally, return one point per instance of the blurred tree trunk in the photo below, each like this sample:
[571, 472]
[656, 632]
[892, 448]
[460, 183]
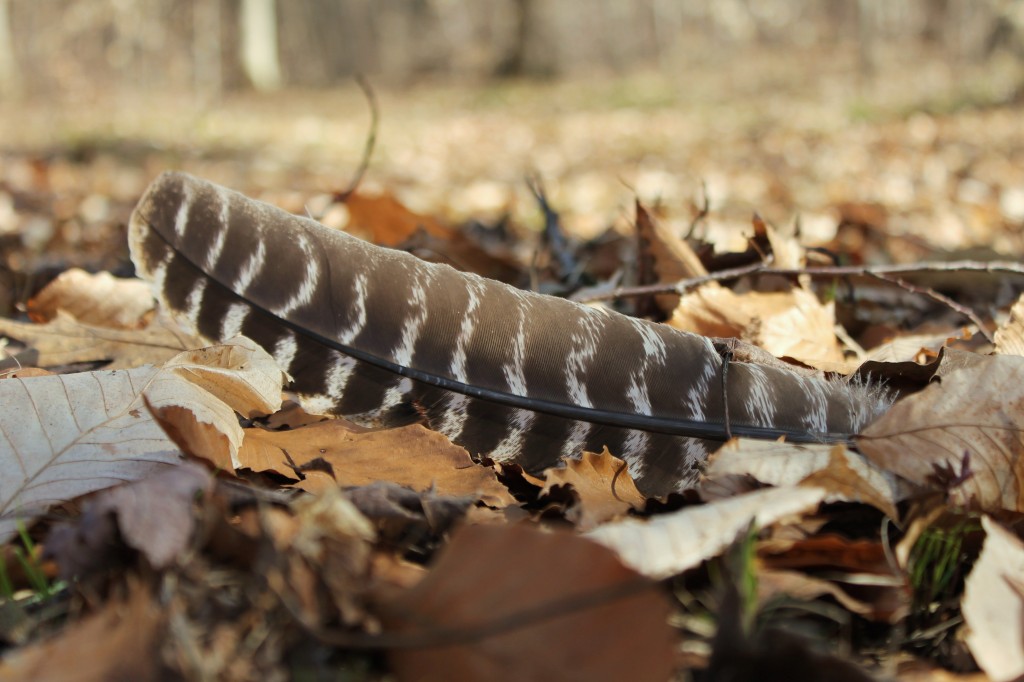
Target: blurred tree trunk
[10, 82]
[259, 43]
[208, 72]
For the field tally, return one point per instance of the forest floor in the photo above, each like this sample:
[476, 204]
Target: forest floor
[857, 555]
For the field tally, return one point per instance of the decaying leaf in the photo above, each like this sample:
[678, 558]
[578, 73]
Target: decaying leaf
[962, 435]
[1010, 337]
[99, 300]
[118, 642]
[846, 475]
[329, 454]
[153, 516]
[399, 512]
[993, 604]
[591, 478]
[671, 543]
[487, 613]
[66, 341]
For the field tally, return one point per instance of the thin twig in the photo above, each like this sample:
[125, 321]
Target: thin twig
[936, 296]
[371, 139]
[702, 212]
[684, 285]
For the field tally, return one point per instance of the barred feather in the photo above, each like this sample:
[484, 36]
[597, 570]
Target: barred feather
[384, 338]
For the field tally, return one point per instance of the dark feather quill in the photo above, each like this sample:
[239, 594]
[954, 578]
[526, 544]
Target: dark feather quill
[384, 338]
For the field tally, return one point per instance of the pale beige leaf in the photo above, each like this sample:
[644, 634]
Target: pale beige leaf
[974, 412]
[238, 372]
[910, 348]
[100, 300]
[786, 250]
[993, 605]
[1010, 336]
[790, 323]
[846, 475]
[671, 543]
[64, 436]
[65, 341]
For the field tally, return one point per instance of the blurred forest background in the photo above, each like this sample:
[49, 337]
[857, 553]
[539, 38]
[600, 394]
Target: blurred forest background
[209, 46]
[901, 117]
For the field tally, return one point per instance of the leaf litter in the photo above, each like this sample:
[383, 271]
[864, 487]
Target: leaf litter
[188, 525]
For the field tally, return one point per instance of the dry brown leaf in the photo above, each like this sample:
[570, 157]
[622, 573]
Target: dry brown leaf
[412, 456]
[591, 479]
[119, 642]
[384, 220]
[791, 323]
[1010, 337]
[559, 616]
[65, 341]
[993, 605]
[672, 258]
[671, 543]
[99, 300]
[845, 475]
[973, 412]
[153, 515]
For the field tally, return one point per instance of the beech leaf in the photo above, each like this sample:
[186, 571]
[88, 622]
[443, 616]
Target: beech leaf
[969, 426]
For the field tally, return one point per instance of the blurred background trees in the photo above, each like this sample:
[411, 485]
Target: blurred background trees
[212, 46]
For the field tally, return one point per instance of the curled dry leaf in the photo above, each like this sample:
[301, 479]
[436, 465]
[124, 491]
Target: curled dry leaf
[329, 454]
[66, 341]
[790, 323]
[99, 300]
[669, 544]
[971, 418]
[993, 604]
[845, 475]
[1010, 337]
[197, 395]
[591, 478]
[492, 615]
[671, 258]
